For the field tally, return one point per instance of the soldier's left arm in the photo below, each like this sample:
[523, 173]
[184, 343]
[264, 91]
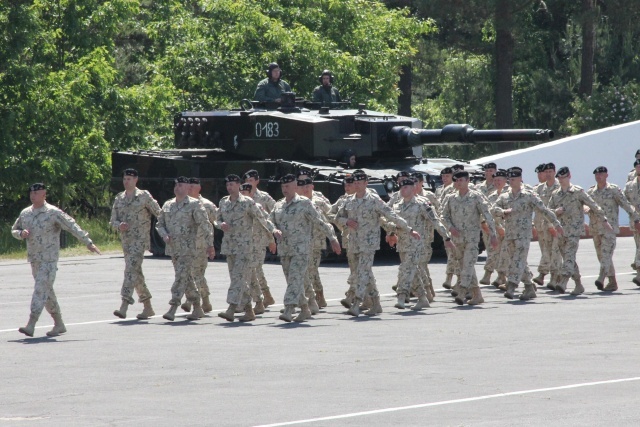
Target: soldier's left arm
[585, 199]
[204, 225]
[622, 201]
[314, 216]
[432, 216]
[383, 210]
[539, 205]
[255, 212]
[483, 208]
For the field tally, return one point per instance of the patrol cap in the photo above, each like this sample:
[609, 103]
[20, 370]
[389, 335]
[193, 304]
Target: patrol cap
[600, 169]
[303, 182]
[307, 172]
[500, 173]
[562, 172]
[636, 163]
[490, 166]
[457, 167]
[360, 176]
[232, 178]
[403, 174]
[194, 180]
[549, 166]
[406, 182]
[461, 174]
[130, 172]
[246, 187]
[418, 175]
[37, 186]
[251, 174]
[288, 178]
[446, 170]
[514, 173]
[540, 167]
[181, 179]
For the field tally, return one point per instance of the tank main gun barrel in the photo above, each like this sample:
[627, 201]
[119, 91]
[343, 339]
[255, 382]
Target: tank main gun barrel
[461, 134]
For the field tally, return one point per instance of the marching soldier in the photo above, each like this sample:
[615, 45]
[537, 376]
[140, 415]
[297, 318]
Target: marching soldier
[487, 187]
[441, 193]
[494, 255]
[131, 216]
[632, 192]
[549, 258]
[634, 173]
[40, 225]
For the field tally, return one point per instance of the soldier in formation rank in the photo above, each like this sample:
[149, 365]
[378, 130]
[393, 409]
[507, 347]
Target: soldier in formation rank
[632, 192]
[549, 254]
[496, 259]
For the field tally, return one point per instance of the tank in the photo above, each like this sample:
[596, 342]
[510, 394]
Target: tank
[299, 134]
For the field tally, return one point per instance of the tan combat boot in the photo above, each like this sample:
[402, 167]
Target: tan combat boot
[511, 290]
[171, 314]
[500, 280]
[553, 282]
[455, 291]
[529, 292]
[30, 327]
[366, 304]
[561, 287]
[600, 280]
[287, 316]
[347, 301]
[313, 306]
[147, 311]
[636, 279]
[476, 296]
[268, 298]
[612, 285]
[539, 280]
[197, 312]
[578, 289]
[122, 311]
[230, 314]
[460, 297]
[400, 304]
[486, 279]
[186, 306]
[249, 314]
[354, 310]
[305, 313]
[431, 293]
[376, 308]
[447, 281]
[58, 326]
[422, 303]
[206, 304]
[259, 308]
[322, 303]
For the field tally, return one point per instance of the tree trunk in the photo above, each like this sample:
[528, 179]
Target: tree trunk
[588, 46]
[404, 100]
[504, 64]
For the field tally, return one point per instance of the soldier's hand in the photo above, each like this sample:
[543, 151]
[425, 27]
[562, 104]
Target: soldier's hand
[553, 232]
[123, 226]
[225, 227]
[500, 231]
[485, 227]
[277, 234]
[94, 248]
[559, 211]
[25, 234]
[167, 238]
[335, 245]
[559, 230]
[391, 240]
[454, 232]
[494, 242]
[273, 247]
[415, 235]
[352, 224]
[586, 209]
[449, 244]
[506, 212]
[211, 252]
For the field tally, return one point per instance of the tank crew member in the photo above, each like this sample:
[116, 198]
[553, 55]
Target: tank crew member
[610, 198]
[294, 217]
[361, 213]
[567, 203]
[266, 201]
[515, 207]
[131, 216]
[549, 258]
[236, 217]
[494, 255]
[349, 158]
[180, 221]
[271, 88]
[200, 261]
[326, 93]
[40, 225]
[634, 173]
[632, 192]
[462, 213]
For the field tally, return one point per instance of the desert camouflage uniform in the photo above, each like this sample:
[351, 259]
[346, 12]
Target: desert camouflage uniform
[572, 220]
[345, 242]
[632, 192]
[43, 247]
[267, 203]
[496, 258]
[549, 255]
[201, 260]
[135, 211]
[261, 239]
[517, 225]
[238, 245]
[632, 175]
[295, 220]
[365, 239]
[465, 213]
[182, 221]
[441, 194]
[313, 283]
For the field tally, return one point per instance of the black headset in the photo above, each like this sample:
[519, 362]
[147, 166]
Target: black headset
[326, 72]
[271, 67]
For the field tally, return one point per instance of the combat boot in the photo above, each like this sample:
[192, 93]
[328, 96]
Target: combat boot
[206, 304]
[553, 282]
[305, 313]
[249, 314]
[431, 293]
[455, 291]
[511, 290]
[347, 301]
[400, 304]
[197, 312]
[529, 292]
[30, 327]
[636, 279]
[259, 308]
[633, 265]
[322, 303]
[312, 306]
[447, 281]
[476, 296]
[171, 314]
[600, 280]
[147, 311]
[460, 297]
[578, 289]
[561, 287]
[268, 298]
[58, 326]
[186, 306]
[122, 311]
[539, 279]
[500, 280]
[422, 303]
[287, 316]
[376, 308]
[354, 310]
[366, 304]
[230, 314]
[486, 279]
[394, 288]
[612, 285]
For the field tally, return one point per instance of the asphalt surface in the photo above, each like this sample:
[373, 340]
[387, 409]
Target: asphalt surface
[556, 361]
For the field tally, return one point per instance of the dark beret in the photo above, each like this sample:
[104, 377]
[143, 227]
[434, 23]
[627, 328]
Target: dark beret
[446, 171]
[37, 186]
[130, 172]
[288, 178]
[194, 180]
[181, 179]
[490, 166]
[562, 172]
[515, 168]
[501, 173]
[403, 174]
[418, 175]
[348, 179]
[514, 173]
[458, 167]
[540, 168]
[461, 174]
[600, 169]
[549, 166]
[306, 172]
[246, 187]
[232, 178]
[303, 182]
[251, 174]
[360, 176]
[406, 182]
[636, 163]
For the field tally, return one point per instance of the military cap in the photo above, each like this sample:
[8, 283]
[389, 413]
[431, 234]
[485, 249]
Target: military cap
[461, 174]
[457, 167]
[540, 167]
[636, 163]
[600, 169]
[37, 186]
[251, 174]
[358, 171]
[303, 171]
[288, 178]
[194, 180]
[515, 168]
[549, 166]
[403, 174]
[181, 179]
[246, 187]
[360, 176]
[348, 179]
[562, 172]
[514, 173]
[130, 172]
[406, 182]
[446, 171]
[414, 179]
[303, 182]
[418, 175]
[232, 178]
[500, 173]
[637, 152]
[490, 166]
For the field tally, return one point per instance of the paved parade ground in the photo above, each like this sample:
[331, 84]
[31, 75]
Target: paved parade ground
[555, 361]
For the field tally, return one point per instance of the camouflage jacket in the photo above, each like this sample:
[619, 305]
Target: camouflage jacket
[573, 200]
[632, 175]
[135, 211]
[420, 216]
[486, 188]
[331, 216]
[296, 220]
[610, 199]
[44, 225]
[261, 237]
[518, 223]
[443, 192]
[182, 221]
[543, 191]
[465, 213]
[242, 215]
[265, 200]
[212, 214]
[318, 235]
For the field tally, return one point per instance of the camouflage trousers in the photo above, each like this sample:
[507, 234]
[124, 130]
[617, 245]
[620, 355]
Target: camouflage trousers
[183, 283]
[240, 269]
[545, 240]
[365, 282]
[313, 274]
[133, 277]
[295, 270]
[568, 248]
[605, 244]
[255, 291]
[493, 255]
[517, 251]
[636, 239]
[465, 255]
[452, 266]
[424, 275]
[352, 271]
[409, 274]
[44, 296]
[200, 264]
[504, 258]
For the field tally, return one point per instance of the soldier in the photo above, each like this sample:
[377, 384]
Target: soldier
[294, 217]
[515, 206]
[361, 213]
[632, 192]
[487, 186]
[266, 201]
[634, 173]
[326, 93]
[396, 197]
[538, 222]
[567, 203]
[461, 214]
[200, 261]
[549, 258]
[494, 255]
[40, 225]
[131, 216]
[180, 221]
[236, 217]
[441, 193]
[271, 88]
[308, 174]
[610, 198]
